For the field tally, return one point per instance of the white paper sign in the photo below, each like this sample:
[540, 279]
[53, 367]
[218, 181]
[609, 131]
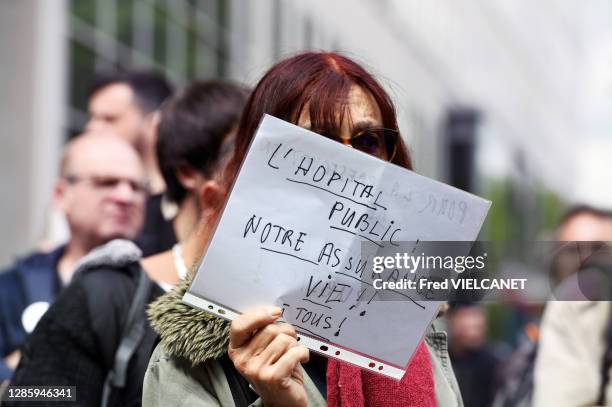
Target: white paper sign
[291, 232]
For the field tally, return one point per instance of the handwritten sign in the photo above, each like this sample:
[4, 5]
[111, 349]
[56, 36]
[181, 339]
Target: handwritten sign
[291, 235]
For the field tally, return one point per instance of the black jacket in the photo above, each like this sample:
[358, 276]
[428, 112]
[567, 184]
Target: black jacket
[74, 343]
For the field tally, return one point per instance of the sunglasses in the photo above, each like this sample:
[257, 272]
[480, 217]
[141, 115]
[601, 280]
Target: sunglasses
[379, 142]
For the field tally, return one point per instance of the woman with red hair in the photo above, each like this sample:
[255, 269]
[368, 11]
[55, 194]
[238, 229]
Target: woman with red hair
[204, 360]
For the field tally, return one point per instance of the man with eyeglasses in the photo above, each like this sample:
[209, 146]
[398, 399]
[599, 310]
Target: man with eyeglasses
[101, 190]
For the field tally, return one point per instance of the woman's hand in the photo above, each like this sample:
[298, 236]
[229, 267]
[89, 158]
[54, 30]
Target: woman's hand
[269, 356]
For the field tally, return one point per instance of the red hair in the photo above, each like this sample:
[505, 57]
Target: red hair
[320, 80]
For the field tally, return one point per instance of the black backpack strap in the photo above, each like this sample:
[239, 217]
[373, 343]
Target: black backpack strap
[242, 393]
[133, 332]
[606, 363]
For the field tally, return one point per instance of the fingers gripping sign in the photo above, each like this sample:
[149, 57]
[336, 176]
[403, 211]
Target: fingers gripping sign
[268, 355]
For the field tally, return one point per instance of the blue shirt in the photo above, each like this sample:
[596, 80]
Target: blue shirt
[30, 280]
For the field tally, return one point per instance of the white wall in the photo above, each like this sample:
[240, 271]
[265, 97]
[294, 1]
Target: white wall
[32, 111]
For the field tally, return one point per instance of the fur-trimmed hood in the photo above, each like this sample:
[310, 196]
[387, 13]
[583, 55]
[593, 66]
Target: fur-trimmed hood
[187, 332]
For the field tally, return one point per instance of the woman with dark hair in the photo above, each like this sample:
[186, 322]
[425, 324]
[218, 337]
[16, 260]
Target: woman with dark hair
[205, 360]
[195, 138]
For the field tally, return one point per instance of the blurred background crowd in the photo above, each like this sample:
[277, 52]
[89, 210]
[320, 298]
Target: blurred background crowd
[510, 100]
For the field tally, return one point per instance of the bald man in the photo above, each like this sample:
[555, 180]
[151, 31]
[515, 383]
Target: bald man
[101, 190]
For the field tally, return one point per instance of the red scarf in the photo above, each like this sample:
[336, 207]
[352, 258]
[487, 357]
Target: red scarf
[350, 386]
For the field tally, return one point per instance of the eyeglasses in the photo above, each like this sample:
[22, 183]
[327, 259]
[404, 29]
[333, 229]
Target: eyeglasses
[379, 142]
[108, 183]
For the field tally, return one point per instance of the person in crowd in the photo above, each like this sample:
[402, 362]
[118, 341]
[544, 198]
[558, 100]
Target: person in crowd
[574, 356]
[127, 103]
[101, 190]
[96, 336]
[516, 372]
[202, 360]
[196, 136]
[475, 364]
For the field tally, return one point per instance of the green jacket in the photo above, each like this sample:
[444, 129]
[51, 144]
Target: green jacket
[184, 369]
